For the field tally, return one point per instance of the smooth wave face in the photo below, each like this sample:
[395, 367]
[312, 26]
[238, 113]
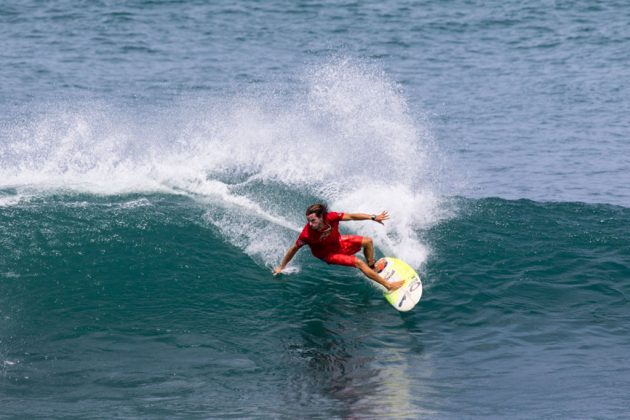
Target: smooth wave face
[138, 305]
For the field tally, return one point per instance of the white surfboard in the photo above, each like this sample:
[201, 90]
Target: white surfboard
[409, 294]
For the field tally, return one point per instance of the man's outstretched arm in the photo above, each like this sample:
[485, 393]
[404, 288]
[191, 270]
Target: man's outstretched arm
[364, 216]
[288, 257]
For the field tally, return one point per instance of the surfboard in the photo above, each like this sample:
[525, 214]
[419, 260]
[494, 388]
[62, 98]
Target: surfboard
[409, 294]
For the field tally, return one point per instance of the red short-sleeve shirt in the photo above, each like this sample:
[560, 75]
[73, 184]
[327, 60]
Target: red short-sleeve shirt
[325, 242]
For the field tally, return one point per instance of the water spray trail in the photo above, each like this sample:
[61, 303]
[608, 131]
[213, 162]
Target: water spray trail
[256, 160]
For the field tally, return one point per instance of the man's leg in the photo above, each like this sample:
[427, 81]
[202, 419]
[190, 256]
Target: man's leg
[368, 250]
[373, 275]
[353, 261]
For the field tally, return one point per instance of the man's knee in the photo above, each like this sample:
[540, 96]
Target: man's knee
[359, 263]
[367, 241]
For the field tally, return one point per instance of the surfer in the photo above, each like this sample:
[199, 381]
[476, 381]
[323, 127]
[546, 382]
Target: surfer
[321, 234]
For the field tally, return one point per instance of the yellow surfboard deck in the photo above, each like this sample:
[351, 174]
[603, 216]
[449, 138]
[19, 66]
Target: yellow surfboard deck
[409, 294]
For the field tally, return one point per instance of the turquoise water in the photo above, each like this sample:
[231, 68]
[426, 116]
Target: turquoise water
[136, 306]
[156, 159]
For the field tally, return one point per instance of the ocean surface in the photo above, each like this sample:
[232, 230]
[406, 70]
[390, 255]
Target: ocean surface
[156, 158]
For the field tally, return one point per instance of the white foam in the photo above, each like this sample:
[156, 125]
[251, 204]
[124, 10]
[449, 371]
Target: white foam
[410, 211]
[11, 200]
[347, 137]
[141, 202]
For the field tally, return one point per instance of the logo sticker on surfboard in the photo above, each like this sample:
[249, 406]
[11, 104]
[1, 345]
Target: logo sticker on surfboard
[409, 294]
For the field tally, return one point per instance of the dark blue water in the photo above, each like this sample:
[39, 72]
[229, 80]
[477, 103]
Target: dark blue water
[156, 159]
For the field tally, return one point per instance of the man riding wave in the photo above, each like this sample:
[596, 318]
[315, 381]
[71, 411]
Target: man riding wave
[321, 234]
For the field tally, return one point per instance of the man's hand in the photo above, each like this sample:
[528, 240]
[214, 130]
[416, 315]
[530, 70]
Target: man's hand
[289, 255]
[380, 217]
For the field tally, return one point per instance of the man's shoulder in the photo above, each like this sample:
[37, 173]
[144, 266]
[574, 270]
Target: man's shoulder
[334, 216]
[305, 231]
[304, 238]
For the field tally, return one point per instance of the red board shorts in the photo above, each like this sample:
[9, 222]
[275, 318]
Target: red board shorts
[350, 245]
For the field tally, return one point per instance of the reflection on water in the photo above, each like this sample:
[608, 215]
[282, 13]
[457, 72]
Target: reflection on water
[350, 366]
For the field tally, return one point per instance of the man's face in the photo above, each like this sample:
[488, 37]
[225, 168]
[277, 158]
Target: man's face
[315, 222]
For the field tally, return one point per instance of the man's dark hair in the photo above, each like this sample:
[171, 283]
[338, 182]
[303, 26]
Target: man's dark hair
[320, 210]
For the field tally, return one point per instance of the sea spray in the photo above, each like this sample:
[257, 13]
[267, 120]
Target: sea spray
[255, 160]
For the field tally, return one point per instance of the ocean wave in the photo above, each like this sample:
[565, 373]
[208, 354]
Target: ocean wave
[256, 160]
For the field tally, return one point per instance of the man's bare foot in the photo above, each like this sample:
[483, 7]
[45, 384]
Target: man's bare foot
[395, 285]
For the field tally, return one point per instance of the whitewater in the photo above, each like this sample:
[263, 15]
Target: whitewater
[256, 159]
